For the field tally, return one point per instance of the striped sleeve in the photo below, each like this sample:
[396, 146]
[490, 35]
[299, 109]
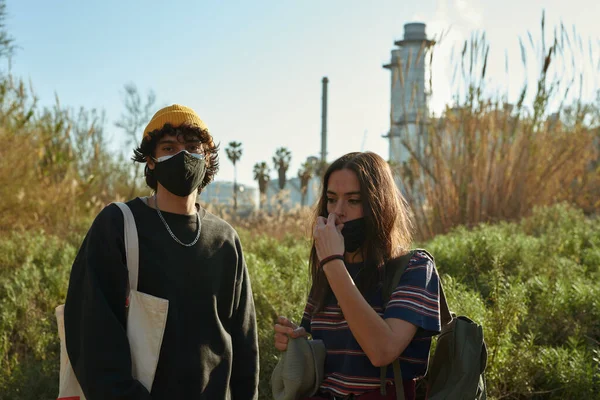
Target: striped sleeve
[416, 298]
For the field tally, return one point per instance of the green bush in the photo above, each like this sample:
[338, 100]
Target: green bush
[34, 271]
[533, 285]
[280, 283]
[538, 281]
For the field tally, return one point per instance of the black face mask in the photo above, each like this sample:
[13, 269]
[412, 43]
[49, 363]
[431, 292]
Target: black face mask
[180, 174]
[354, 233]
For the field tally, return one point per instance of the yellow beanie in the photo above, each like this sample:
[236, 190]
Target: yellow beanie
[175, 115]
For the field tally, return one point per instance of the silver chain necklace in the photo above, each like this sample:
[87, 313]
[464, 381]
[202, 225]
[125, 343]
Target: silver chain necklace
[171, 232]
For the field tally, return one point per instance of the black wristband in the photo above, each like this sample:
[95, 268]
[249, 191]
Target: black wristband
[330, 258]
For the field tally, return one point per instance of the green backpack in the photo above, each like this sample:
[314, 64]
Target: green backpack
[456, 370]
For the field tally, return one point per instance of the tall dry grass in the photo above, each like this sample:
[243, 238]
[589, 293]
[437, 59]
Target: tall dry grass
[486, 160]
[277, 222]
[56, 171]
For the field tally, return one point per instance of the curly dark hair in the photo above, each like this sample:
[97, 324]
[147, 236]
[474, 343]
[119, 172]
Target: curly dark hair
[183, 134]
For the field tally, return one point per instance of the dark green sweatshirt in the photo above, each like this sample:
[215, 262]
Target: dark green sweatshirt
[209, 349]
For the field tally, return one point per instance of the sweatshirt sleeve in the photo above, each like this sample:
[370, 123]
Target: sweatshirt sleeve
[95, 324]
[244, 376]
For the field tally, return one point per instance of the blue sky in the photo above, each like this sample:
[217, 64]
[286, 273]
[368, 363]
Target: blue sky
[253, 69]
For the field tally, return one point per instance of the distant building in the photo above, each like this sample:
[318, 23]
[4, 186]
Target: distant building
[291, 197]
[221, 193]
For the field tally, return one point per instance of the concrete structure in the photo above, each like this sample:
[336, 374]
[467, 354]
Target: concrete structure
[409, 113]
[324, 120]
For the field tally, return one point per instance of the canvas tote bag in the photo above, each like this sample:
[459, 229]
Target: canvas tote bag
[146, 321]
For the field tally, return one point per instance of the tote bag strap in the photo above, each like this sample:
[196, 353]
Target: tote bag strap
[131, 245]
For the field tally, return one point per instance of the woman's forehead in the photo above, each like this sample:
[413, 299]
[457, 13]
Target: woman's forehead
[343, 182]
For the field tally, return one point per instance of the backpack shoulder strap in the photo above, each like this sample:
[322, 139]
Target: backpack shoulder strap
[131, 244]
[445, 314]
[393, 270]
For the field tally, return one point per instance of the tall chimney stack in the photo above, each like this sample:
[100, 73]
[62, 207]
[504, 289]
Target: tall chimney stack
[324, 120]
[409, 110]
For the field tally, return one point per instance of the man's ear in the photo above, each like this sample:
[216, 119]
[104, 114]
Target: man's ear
[150, 162]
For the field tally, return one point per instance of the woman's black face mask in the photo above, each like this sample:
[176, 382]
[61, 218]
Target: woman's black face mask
[354, 233]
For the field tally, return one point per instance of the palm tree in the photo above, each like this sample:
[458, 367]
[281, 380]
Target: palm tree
[305, 173]
[234, 153]
[261, 175]
[281, 162]
[320, 168]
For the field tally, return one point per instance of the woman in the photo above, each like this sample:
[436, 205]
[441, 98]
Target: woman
[362, 222]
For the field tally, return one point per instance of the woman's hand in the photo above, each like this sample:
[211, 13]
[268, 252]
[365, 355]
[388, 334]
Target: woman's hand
[284, 329]
[328, 237]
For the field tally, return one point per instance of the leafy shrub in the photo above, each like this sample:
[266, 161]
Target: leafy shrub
[537, 282]
[533, 286]
[279, 272]
[34, 270]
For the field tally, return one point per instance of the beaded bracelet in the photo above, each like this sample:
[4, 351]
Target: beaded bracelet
[330, 258]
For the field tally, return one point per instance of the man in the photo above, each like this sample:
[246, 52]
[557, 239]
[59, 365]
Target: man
[187, 256]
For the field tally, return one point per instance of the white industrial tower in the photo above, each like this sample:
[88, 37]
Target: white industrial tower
[409, 100]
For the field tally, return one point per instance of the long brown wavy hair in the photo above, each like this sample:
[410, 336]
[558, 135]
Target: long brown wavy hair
[388, 220]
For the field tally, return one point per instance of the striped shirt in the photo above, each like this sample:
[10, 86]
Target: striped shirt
[415, 299]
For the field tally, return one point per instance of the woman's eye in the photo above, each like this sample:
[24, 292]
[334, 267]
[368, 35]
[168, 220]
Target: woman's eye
[167, 148]
[330, 200]
[354, 201]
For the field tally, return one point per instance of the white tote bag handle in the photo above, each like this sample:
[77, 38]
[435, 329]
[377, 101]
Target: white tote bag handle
[132, 248]
[147, 314]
